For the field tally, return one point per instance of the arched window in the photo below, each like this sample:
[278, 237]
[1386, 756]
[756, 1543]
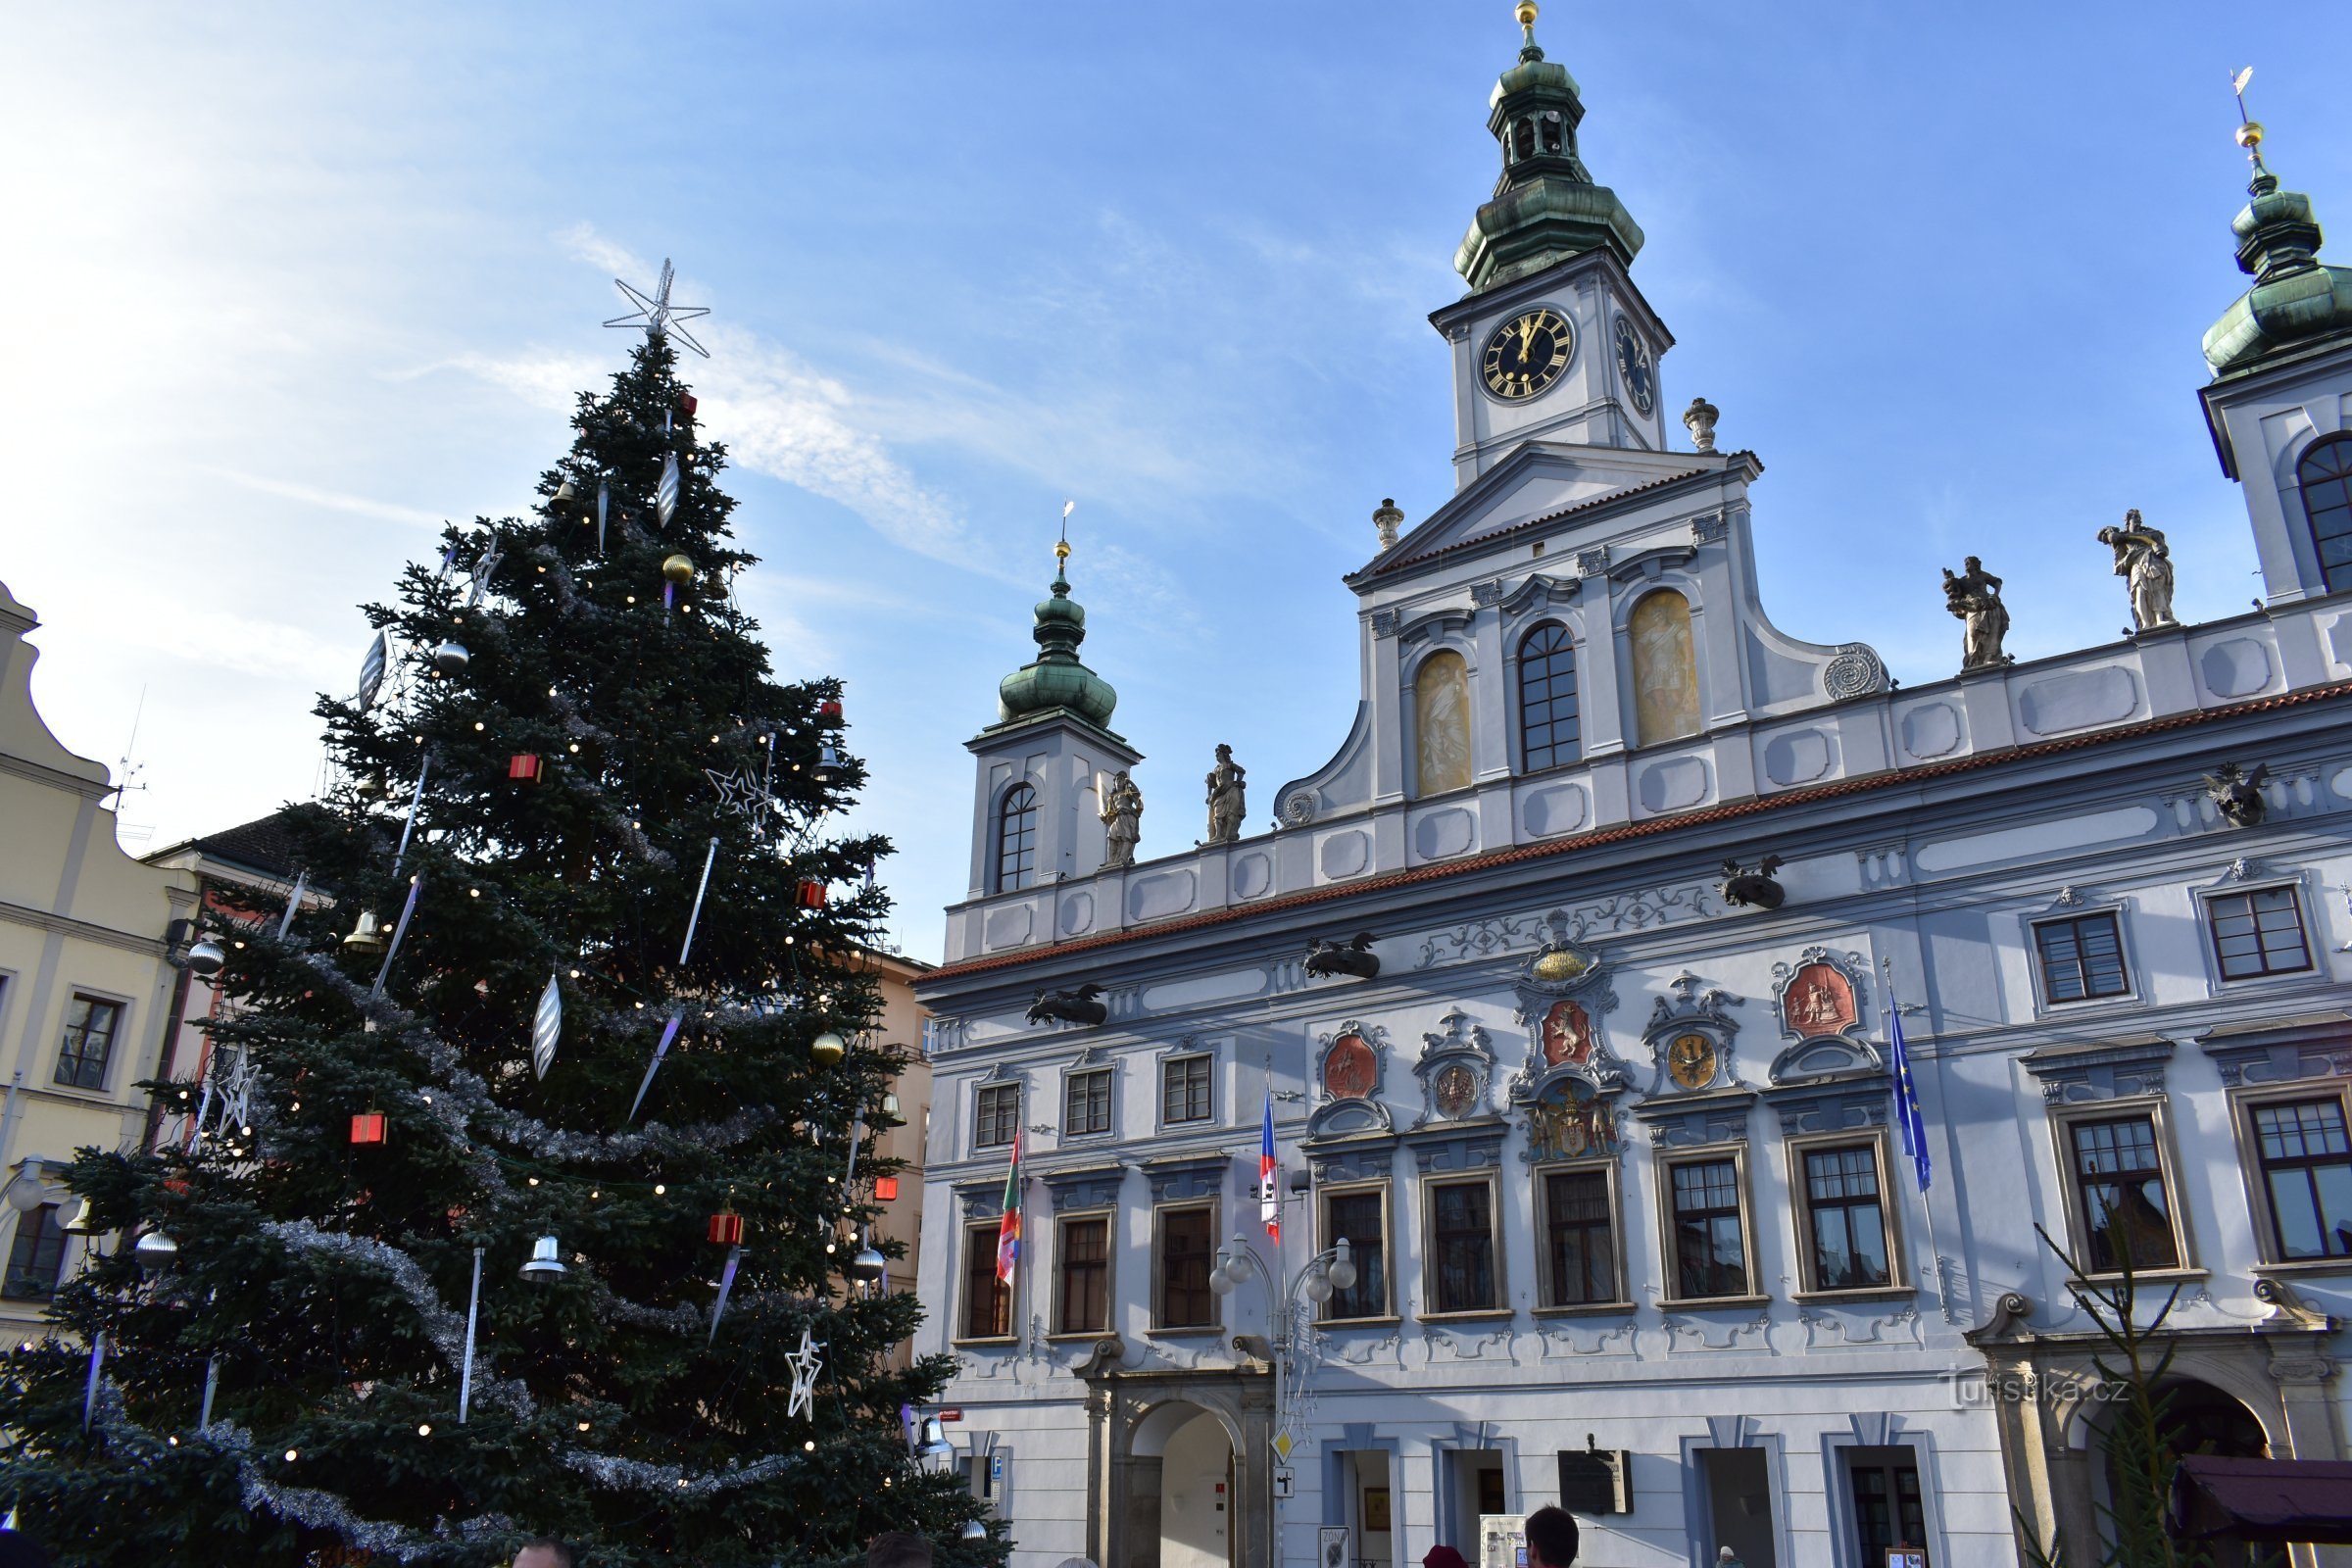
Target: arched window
[1523, 139]
[1016, 839]
[1665, 669]
[1547, 727]
[1442, 723]
[2326, 472]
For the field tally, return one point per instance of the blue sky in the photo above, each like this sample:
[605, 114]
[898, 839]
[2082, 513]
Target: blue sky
[293, 283]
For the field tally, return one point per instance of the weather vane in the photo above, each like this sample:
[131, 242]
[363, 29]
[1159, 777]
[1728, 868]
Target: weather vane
[2249, 129]
[1062, 545]
[656, 315]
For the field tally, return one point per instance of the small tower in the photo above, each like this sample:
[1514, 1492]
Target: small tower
[2280, 404]
[1034, 807]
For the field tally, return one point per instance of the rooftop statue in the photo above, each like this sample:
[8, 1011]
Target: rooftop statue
[2143, 560]
[1225, 808]
[1122, 816]
[1975, 597]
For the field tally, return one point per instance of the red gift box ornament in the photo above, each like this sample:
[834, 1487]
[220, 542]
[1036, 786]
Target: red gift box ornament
[811, 894]
[886, 1188]
[726, 1228]
[829, 712]
[687, 404]
[525, 767]
[368, 1127]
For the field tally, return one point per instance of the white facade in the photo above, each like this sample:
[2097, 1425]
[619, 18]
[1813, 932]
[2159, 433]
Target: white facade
[1620, 1135]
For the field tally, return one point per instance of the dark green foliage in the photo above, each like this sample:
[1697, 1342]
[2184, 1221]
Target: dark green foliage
[328, 1283]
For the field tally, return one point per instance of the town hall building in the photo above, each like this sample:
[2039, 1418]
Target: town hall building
[1574, 978]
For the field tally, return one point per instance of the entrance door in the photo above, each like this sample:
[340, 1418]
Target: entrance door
[1887, 1504]
[1365, 1474]
[1196, 1497]
[1739, 1503]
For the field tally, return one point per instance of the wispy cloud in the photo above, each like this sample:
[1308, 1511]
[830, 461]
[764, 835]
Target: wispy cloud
[333, 500]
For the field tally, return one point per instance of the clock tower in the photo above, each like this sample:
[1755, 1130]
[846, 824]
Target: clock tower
[1553, 342]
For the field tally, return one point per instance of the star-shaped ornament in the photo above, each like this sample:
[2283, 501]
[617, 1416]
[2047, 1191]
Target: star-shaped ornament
[806, 1363]
[484, 567]
[656, 315]
[741, 791]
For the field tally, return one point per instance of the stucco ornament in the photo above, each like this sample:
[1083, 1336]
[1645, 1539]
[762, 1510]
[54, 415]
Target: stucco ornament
[1225, 801]
[1973, 596]
[1699, 419]
[1122, 816]
[2145, 563]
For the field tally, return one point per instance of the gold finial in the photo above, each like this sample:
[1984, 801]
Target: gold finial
[2249, 129]
[1062, 545]
[1526, 13]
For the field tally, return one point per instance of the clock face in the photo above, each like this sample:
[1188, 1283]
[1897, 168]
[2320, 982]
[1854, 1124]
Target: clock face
[1632, 363]
[1691, 1060]
[1527, 354]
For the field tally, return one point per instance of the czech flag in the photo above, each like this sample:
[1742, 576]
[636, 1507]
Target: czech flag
[1269, 1201]
[1008, 1229]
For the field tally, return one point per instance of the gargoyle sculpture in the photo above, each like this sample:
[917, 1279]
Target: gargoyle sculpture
[1069, 1007]
[1356, 957]
[1752, 889]
[2238, 793]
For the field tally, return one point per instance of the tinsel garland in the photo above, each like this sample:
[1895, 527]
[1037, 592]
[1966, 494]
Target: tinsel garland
[671, 1480]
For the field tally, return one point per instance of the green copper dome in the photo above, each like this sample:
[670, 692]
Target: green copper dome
[1057, 680]
[2295, 297]
[1545, 207]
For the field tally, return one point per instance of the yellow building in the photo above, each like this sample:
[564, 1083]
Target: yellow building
[903, 1023]
[86, 987]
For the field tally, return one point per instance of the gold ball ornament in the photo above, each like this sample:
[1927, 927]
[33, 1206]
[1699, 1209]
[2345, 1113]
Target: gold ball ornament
[678, 569]
[828, 1049]
[1526, 13]
[2250, 135]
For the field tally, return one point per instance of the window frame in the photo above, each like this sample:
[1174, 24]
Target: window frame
[984, 1233]
[1002, 818]
[50, 1229]
[1070, 1084]
[2044, 1001]
[1519, 697]
[114, 1040]
[1607, 1170]
[2207, 897]
[1800, 1210]
[1671, 1255]
[2336, 441]
[1431, 1186]
[1325, 1239]
[2242, 1105]
[983, 1092]
[1161, 1214]
[2063, 1121]
[1208, 1088]
[1107, 1218]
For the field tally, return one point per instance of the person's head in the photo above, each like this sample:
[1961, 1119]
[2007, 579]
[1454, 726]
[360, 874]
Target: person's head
[896, 1549]
[1550, 1539]
[546, 1552]
[1442, 1557]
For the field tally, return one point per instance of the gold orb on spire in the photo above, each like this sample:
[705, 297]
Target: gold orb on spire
[1525, 13]
[2250, 135]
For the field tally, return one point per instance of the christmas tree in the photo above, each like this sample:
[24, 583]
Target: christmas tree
[523, 1197]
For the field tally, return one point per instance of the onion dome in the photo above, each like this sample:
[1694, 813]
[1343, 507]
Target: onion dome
[1545, 207]
[2295, 297]
[1057, 680]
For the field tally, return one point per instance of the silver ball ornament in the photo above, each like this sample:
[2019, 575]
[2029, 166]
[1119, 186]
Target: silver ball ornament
[452, 658]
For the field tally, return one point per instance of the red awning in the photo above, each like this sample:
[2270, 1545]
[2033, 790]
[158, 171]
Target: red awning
[2263, 1500]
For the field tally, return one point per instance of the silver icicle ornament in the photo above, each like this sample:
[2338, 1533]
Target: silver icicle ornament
[372, 671]
[547, 1026]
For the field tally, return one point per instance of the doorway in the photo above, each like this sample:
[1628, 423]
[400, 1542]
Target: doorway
[1473, 1479]
[1196, 1496]
[1739, 1491]
[1371, 1520]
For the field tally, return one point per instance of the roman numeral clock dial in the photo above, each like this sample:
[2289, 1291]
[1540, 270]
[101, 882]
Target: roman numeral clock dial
[1527, 354]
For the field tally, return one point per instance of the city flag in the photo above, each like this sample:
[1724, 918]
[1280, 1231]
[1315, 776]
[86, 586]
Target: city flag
[1269, 1201]
[1008, 1229]
[1906, 1097]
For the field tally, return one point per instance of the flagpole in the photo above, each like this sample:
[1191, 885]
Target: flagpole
[1906, 1096]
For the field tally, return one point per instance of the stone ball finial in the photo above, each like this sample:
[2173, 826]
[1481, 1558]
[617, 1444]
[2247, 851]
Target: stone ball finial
[1387, 518]
[1699, 419]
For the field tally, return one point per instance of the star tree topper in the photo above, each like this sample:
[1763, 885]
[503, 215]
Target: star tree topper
[656, 315]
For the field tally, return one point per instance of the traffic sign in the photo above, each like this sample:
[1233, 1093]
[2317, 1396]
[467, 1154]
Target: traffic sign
[1284, 1475]
[1283, 1444]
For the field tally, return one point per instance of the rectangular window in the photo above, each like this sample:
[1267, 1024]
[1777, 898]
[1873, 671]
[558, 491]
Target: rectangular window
[36, 1256]
[1580, 1239]
[987, 1300]
[1184, 1090]
[1085, 1106]
[2119, 1179]
[996, 1116]
[1710, 1235]
[1361, 1218]
[2306, 1177]
[2081, 959]
[1845, 1226]
[90, 1025]
[1462, 1232]
[1887, 1512]
[1186, 1250]
[2258, 933]
[1084, 1306]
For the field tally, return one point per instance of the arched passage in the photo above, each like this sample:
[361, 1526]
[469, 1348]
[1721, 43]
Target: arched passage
[1196, 1497]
